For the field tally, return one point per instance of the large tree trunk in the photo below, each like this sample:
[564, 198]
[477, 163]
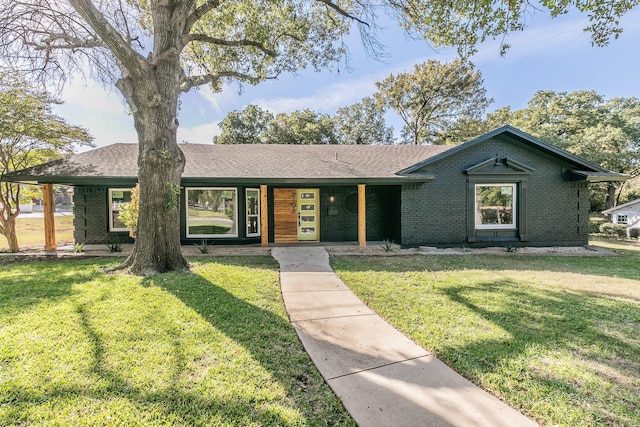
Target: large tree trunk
[154, 99]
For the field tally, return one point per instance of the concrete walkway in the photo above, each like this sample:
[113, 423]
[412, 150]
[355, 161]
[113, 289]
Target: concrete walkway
[382, 377]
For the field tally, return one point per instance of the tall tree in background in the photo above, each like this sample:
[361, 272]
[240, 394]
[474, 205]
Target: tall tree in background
[301, 127]
[363, 124]
[246, 126]
[30, 134]
[433, 98]
[604, 131]
[198, 42]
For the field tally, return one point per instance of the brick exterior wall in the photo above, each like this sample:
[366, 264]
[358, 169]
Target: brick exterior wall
[436, 213]
[339, 220]
[91, 217]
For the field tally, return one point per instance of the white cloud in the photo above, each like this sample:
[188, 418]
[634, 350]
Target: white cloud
[202, 134]
[326, 99]
[92, 95]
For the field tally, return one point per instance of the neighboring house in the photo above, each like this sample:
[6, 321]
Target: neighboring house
[505, 187]
[627, 214]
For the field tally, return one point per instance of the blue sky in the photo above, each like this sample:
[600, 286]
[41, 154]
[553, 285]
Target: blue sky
[552, 54]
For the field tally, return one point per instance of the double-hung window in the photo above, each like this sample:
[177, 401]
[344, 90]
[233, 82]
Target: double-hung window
[495, 206]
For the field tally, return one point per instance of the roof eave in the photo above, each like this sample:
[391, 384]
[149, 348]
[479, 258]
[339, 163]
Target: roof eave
[596, 177]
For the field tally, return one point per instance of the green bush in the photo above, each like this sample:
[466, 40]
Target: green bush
[129, 212]
[613, 230]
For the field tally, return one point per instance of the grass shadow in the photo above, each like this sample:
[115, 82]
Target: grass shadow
[563, 348]
[25, 284]
[594, 337]
[622, 266]
[250, 318]
[173, 349]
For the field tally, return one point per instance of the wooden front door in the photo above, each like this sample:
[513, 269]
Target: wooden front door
[296, 214]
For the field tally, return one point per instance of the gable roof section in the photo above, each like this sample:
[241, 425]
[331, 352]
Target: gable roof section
[253, 163]
[622, 206]
[585, 170]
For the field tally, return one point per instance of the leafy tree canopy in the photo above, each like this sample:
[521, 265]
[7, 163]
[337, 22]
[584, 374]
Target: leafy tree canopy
[30, 134]
[247, 126]
[432, 98]
[301, 127]
[362, 123]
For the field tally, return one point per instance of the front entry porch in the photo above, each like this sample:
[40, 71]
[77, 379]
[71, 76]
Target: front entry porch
[296, 215]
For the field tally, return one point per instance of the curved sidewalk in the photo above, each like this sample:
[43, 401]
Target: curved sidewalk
[382, 377]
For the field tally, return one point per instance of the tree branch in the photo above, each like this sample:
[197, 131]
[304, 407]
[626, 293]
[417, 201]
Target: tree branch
[213, 78]
[343, 12]
[207, 7]
[129, 58]
[230, 43]
[70, 43]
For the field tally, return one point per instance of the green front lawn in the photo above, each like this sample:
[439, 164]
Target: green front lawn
[30, 232]
[214, 348]
[557, 337]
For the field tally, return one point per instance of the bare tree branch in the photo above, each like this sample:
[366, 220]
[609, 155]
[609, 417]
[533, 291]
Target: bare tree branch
[68, 42]
[214, 78]
[132, 60]
[343, 12]
[229, 43]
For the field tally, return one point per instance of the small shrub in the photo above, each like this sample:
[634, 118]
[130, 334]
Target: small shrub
[510, 248]
[387, 245]
[634, 233]
[202, 246]
[594, 227]
[78, 248]
[115, 246]
[613, 230]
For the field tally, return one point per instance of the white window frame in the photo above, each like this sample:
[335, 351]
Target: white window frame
[112, 210]
[622, 219]
[481, 226]
[207, 236]
[246, 199]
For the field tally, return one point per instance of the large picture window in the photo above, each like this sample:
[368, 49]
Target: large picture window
[253, 212]
[118, 197]
[495, 205]
[212, 212]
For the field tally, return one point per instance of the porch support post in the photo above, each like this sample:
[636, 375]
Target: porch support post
[49, 221]
[264, 218]
[362, 216]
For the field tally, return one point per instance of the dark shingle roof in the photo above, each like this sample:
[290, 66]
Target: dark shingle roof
[253, 162]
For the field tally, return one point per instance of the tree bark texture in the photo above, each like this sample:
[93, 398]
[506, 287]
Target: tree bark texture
[153, 97]
[9, 231]
[160, 166]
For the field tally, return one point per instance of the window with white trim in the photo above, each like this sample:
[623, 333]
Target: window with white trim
[118, 197]
[495, 205]
[622, 219]
[253, 211]
[212, 212]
